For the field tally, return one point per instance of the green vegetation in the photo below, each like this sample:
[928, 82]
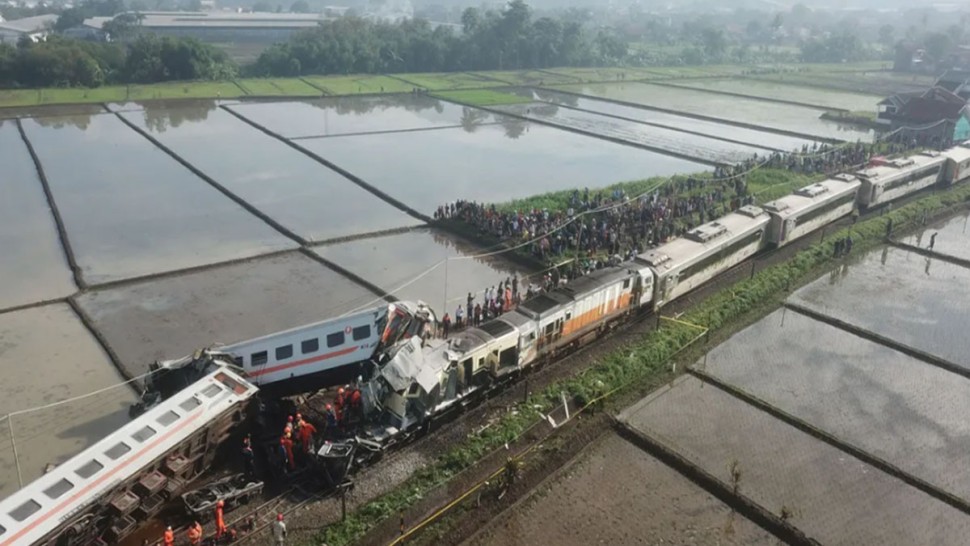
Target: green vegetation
[357, 85]
[481, 97]
[636, 368]
[271, 87]
[449, 80]
[530, 77]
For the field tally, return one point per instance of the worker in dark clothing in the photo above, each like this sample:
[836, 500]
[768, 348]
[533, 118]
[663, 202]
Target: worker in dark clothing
[515, 284]
[932, 241]
[848, 244]
[249, 458]
[331, 418]
[837, 250]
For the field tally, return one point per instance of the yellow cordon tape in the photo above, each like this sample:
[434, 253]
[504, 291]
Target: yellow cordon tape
[444, 509]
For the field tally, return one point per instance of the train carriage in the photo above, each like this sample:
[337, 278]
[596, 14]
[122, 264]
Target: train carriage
[97, 496]
[899, 177]
[684, 264]
[958, 164]
[810, 208]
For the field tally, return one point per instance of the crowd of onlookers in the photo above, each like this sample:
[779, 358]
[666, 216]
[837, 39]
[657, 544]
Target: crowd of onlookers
[610, 223]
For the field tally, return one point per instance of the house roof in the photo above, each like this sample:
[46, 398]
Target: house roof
[899, 99]
[28, 25]
[927, 110]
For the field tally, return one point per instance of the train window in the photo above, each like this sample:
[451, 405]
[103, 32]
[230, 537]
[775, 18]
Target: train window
[117, 450]
[335, 339]
[361, 332]
[58, 489]
[258, 359]
[167, 418]
[413, 391]
[89, 469]
[310, 346]
[284, 352]
[25, 510]
[190, 404]
[626, 283]
[236, 387]
[237, 360]
[211, 391]
[143, 434]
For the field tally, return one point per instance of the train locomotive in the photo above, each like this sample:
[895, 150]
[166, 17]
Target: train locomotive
[192, 404]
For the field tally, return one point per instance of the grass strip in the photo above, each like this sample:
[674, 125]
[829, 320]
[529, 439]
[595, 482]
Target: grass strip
[630, 366]
[481, 97]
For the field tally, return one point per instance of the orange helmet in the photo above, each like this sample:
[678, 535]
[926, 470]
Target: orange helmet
[299, 417]
[340, 390]
[279, 517]
[220, 504]
[329, 407]
[290, 418]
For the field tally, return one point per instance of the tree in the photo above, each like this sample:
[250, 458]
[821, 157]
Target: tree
[300, 6]
[887, 35]
[754, 30]
[471, 19]
[937, 45]
[713, 42]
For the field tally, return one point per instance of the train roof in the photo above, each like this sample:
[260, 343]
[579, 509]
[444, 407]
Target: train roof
[704, 239]
[375, 311]
[812, 195]
[959, 153]
[536, 306]
[902, 166]
[577, 288]
[40, 507]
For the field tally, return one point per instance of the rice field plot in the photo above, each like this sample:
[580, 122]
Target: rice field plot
[183, 90]
[952, 237]
[358, 84]
[874, 83]
[449, 81]
[822, 98]
[272, 87]
[605, 74]
[34, 97]
[529, 77]
[482, 97]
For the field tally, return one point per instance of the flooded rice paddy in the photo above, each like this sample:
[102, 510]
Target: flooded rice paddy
[34, 266]
[713, 129]
[300, 193]
[952, 237]
[667, 140]
[354, 115]
[753, 111]
[47, 356]
[131, 210]
[829, 495]
[392, 261]
[822, 98]
[490, 163]
[927, 309]
[172, 317]
[617, 494]
[900, 409]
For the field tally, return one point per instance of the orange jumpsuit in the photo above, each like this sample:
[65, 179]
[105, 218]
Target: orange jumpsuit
[195, 534]
[169, 538]
[307, 431]
[220, 523]
[288, 446]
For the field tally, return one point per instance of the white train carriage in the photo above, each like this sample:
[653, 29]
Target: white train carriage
[810, 208]
[325, 352]
[684, 264]
[957, 164]
[899, 177]
[97, 496]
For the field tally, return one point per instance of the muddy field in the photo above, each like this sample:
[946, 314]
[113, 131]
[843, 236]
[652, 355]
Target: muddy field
[614, 493]
[832, 497]
[393, 261]
[34, 267]
[927, 309]
[952, 237]
[46, 356]
[175, 316]
[895, 407]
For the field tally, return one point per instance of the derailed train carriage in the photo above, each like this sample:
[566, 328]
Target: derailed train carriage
[192, 404]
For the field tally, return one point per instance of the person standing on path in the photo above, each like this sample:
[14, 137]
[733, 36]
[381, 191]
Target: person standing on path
[279, 530]
[932, 241]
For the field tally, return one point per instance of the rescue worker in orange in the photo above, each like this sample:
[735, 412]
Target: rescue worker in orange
[287, 442]
[354, 404]
[289, 425]
[195, 534]
[306, 431]
[168, 539]
[220, 520]
[338, 404]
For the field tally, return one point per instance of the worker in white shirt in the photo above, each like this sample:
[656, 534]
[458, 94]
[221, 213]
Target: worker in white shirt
[279, 531]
